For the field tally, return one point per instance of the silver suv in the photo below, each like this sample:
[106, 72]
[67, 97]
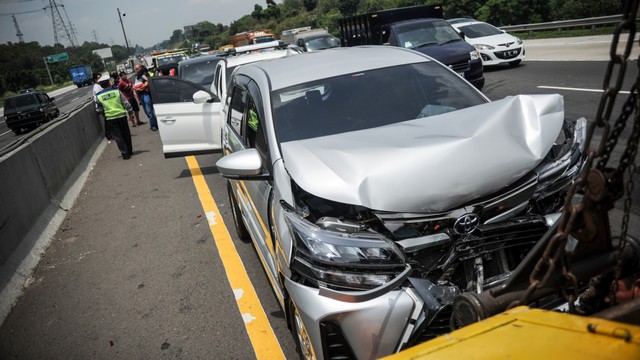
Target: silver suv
[377, 185]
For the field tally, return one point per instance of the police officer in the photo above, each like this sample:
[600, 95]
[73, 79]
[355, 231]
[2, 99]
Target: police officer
[116, 108]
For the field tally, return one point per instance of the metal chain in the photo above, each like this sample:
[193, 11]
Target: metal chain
[554, 253]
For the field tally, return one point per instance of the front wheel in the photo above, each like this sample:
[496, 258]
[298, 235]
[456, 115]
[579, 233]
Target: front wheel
[300, 333]
[17, 131]
[241, 229]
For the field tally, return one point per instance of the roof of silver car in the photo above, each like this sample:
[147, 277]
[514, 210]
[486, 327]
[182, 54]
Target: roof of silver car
[288, 71]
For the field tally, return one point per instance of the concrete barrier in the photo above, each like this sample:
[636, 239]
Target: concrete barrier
[34, 178]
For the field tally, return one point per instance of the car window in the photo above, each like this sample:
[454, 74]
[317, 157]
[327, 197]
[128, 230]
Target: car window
[480, 30]
[25, 100]
[169, 89]
[237, 106]
[430, 33]
[321, 43]
[200, 73]
[228, 73]
[369, 99]
[245, 118]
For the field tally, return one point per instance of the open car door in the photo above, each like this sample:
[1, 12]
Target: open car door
[189, 116]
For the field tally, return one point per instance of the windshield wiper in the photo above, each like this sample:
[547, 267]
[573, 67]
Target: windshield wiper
[451, 41]
[424, 44]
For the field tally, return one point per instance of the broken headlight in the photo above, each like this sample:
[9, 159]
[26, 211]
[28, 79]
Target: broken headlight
[344, 256]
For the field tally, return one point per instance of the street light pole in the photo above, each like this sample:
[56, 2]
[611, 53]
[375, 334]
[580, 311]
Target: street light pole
[120, 15]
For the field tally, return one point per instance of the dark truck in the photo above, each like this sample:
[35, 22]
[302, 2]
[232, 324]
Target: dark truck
[421, 28]
[29, 109]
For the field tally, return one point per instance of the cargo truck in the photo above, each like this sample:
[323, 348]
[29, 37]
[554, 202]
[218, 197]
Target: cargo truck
[251, 38]
[81, 75]
[421, 28]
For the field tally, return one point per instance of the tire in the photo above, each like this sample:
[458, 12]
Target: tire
[300, 335]
[515, 63]
[17, 131]
[46, 119]
[57, 113]
[241, 229]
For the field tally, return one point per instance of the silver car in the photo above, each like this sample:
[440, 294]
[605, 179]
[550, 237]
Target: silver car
[377, 185]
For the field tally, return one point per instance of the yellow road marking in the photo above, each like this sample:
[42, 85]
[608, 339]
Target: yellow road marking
[264, 341]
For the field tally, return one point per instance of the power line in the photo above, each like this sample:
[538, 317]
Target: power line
[24, 12]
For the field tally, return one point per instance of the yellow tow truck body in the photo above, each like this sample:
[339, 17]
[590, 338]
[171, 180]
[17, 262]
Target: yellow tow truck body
[524, 333]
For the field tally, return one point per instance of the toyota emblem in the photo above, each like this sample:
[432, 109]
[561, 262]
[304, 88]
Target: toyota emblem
[466, 223]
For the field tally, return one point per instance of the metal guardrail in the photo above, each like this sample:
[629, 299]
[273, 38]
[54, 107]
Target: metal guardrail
[552, 25]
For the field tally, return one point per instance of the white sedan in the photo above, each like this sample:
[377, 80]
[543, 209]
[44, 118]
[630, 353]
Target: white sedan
[496, 46]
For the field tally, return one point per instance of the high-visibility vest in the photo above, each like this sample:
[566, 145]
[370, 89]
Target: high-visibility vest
[111, 104]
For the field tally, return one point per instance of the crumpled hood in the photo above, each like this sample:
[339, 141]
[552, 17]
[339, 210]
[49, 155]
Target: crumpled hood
[429, 164]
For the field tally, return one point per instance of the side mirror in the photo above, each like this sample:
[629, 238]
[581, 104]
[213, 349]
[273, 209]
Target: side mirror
[201, 97]
[244, 164]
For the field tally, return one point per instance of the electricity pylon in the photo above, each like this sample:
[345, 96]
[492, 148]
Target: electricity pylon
[60, 29]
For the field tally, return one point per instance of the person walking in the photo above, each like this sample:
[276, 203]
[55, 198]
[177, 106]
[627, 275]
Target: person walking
[116, 108]
[126, 88]
[141, 86]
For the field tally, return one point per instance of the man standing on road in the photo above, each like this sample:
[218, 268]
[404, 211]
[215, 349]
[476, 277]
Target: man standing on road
[97, 80]
[126, 88]
[141, 86]
[115, 108]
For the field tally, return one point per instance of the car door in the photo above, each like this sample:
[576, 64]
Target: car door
[189, 116]
[245, 130]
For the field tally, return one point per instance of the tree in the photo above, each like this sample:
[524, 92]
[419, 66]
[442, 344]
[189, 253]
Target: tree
[310, 5]
[177, 37]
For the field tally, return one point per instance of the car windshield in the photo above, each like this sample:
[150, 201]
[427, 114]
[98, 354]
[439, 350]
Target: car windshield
[200, 72]
[368, 99]
[431, 33]
[171, 59]
[321, 43]
[480, 30]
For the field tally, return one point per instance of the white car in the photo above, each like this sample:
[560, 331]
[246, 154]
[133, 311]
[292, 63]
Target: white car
[378, 186]
[186, 110]
[250, 54]
[496, 46]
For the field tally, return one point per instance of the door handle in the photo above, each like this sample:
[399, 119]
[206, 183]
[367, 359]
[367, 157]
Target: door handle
[168, 119]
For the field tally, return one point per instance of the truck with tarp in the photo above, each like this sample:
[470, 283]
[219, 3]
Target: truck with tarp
[81, 75]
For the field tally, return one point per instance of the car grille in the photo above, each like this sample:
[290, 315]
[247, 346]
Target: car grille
[439, 325]
[335, 345]
[507, 54]
[460, 67]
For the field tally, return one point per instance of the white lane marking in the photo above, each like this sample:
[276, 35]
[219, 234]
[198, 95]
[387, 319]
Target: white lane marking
[576, 89]
[4, 133]
[238, 293]
[74, 99]
[248, 318]
[211, 217]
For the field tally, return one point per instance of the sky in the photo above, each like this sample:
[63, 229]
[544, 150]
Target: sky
[146, 22]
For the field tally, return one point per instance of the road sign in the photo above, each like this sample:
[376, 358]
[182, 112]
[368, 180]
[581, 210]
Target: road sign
[57, 57]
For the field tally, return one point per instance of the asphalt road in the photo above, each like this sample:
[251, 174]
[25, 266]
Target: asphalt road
[135, 272]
